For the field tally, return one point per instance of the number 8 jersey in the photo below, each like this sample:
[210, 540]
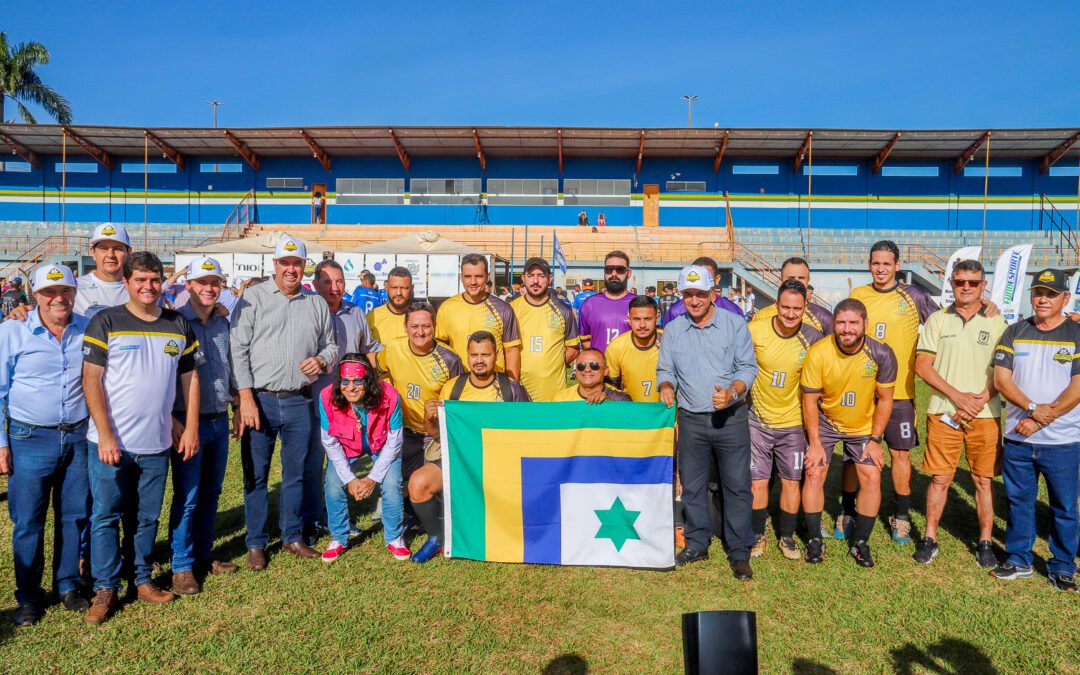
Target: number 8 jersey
[774, 398]
[894, 317]
[848, 382]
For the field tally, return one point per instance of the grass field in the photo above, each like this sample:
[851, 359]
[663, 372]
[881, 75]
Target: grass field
[369, 613]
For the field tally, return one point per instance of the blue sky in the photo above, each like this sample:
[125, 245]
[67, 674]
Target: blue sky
[797, 64]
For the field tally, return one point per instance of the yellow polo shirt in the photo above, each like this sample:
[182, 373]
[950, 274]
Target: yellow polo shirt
[386, 326]
[963, 354]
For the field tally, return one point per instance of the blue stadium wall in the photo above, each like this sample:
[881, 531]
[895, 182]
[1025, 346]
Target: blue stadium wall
[861, 200]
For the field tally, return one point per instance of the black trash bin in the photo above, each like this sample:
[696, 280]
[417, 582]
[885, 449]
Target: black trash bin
[719, 642]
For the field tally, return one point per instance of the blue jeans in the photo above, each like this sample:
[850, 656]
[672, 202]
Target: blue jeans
[313, 510]
[289, 419]
[48, 464]
[1060, 466]
[337, 502]
[196, 489]
[137, 482]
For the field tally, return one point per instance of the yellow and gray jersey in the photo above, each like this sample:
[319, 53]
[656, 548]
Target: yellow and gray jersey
[1043, 363]
[142, 360]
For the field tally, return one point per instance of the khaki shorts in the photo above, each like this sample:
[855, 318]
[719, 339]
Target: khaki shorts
[943, 446]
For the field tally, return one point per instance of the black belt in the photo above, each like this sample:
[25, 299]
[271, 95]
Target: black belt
[181, 416]
[65, 428]
[287, 393]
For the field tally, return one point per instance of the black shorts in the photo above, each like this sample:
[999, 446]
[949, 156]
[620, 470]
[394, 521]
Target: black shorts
[412, 452]
[900, 433]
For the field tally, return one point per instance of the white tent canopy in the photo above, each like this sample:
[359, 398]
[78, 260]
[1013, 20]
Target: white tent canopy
[423, 243]
[264, 243]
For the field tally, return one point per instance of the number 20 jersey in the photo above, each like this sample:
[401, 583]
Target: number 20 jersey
[774, 398]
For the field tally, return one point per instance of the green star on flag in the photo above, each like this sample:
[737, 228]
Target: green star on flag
[617, 524]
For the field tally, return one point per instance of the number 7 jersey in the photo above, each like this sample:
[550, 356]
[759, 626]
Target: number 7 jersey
[774, 397]
[894, 317]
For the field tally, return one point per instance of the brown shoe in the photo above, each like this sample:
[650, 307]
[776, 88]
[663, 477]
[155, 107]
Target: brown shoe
[256, 559]
[105, 602]
[220, 567]
[148, 592]
[184, 583]
[301, 550]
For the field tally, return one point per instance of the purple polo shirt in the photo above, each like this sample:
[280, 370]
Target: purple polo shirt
[602, 319]
[679, 308]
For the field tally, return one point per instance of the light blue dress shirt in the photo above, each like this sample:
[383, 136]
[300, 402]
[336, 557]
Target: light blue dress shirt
[40, 378]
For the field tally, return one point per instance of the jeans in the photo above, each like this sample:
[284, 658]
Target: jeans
[48, 464]
[1060, 466]
[196, 489]
[725, 437]
[138, 482]
[313, 509]
[289, 419]
[337, 502]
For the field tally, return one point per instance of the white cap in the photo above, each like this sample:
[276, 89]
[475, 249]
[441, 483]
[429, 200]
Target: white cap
[695, 277]
[290, 247]
[53, 275]
[204, 267]
[110, 232]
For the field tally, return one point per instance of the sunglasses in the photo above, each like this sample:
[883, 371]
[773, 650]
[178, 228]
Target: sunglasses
[591, 365]
[970, 283]
[352, 382]
[615, 269]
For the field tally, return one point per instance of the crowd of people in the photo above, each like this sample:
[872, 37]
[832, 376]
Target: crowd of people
[107, 387]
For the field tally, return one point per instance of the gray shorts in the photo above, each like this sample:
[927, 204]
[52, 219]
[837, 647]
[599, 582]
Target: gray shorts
[854, 445]
[900, 433]
[786, 448]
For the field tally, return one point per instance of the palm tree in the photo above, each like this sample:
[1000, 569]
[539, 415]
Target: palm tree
[19, 82]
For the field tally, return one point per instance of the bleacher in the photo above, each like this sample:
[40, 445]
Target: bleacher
[17, 237]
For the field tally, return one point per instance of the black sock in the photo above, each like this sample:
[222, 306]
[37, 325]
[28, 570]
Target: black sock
[430, 516]
[787, 523]
[847, 503]
[813, 525]
[864, 525]
[903, 506]
[759, 518]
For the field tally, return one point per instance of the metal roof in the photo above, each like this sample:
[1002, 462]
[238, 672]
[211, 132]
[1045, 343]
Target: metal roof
[383, 141]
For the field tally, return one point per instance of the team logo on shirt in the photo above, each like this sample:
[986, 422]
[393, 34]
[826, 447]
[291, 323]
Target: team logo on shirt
[437, 372]
[800, 357]
[870, 369]
[984, 337]
[1063, 356]
[171, 348]
[554, 320]
[489, 321]
[902, 307]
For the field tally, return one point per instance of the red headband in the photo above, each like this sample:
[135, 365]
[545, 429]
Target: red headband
[352, 369]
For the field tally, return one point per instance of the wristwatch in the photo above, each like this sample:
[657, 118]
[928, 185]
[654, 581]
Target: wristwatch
[876, 439]
[1032, 406]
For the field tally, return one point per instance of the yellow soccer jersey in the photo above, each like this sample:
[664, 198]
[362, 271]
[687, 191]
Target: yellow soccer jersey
[893, 317]
[545, 332]
[386, 326]
[419, 378]
[775, 398]
[634, 368]
[848, 382]
[815, 315]
[489, 394]
[458, 319]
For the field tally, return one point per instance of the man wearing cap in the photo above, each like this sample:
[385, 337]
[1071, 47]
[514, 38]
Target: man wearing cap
[549, 333]
[590, 387]
[282, 339]
[1037, 370]
[104, 286]
[581, 296]
[43, 443]
[678, 307]
[387, 321]
[197, 481]
[603, 317]
[707, 358]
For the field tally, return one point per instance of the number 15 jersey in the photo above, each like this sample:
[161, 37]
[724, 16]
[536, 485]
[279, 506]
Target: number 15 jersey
[546, 330]
[774, 398]
[848, 382]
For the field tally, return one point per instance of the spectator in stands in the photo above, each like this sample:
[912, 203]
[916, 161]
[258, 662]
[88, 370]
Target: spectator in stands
[678, 307]
[366, 296]
[319, 207]
[601, 221]
[14, 296]
[666, 300]
[583, 218]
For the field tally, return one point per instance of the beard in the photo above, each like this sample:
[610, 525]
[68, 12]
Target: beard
[615, 285]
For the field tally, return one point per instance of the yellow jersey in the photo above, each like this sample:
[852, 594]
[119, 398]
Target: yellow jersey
[386, 326]
[634, 368]
[815, 315]
[488, 394]
[418, 378]
[572, 394]
[848, 382]
[545, 331]
[893, 317]
[458, 319]
[774, 397]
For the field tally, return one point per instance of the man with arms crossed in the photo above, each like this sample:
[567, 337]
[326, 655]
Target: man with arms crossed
[632, 357]
[847, 388]
[1037, 370]
[955, 357]
[477, 309]
[776, 425]
[549, 333]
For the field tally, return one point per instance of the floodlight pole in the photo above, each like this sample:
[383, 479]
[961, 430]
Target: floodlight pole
[215, 105]
[690, 98]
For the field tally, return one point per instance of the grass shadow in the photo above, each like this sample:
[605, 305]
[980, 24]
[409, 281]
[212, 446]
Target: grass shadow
[7, 625]
[950, 655]
[808, 667]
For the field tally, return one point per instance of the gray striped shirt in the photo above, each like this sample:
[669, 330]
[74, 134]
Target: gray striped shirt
[272, 334]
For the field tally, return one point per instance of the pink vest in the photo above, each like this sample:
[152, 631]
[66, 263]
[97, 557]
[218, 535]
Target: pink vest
[345, 426]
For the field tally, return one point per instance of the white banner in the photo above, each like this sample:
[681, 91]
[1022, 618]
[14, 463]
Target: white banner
[443, 277]
[380, 265]
[417, 264]
[352, 264]
[247, 265]
[965, 253]
[182, 260]
[1010, 276]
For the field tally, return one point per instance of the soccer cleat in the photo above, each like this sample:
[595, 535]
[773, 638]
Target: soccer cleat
[1062, 582]
[788, 547]
[1009, 571]
[901, 530]
[398, 549]
[815, 551]
[431, 548]
[984, 555]
[334, 550]
[689, 555]
[844, 525]
[860, 551]
[925, 551]
[758, 549]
